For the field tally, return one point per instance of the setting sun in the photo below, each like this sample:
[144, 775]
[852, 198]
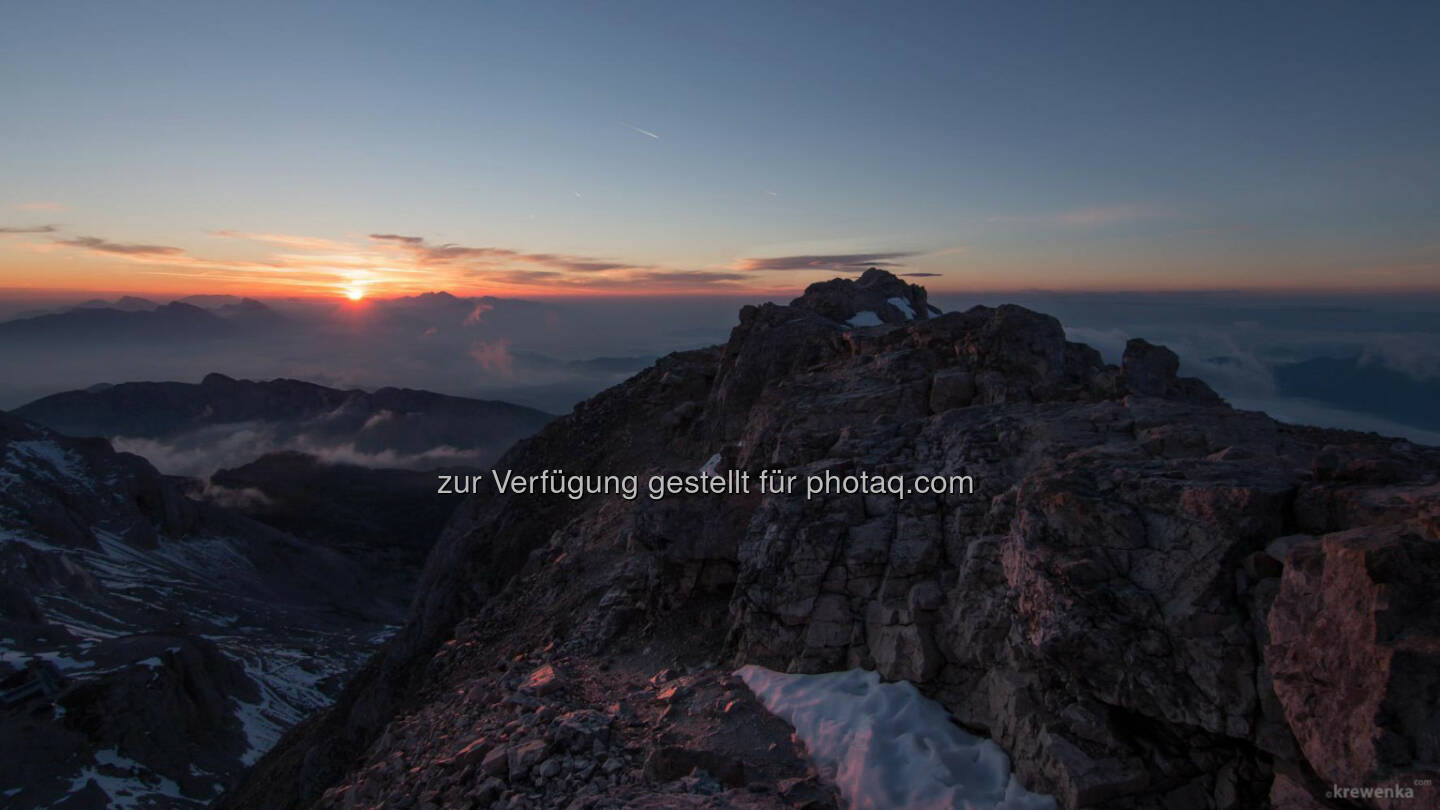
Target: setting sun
[355, 292]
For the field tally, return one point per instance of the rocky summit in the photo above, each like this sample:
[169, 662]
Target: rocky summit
[1150, 599]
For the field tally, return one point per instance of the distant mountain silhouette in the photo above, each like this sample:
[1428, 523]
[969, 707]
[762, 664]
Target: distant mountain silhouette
[386, 424]
[249, 311]
[172, 322]
[127, 303]
[444, 311]
[211, 301]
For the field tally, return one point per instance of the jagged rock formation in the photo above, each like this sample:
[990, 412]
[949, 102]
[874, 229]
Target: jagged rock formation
[152, 646]
[876, 296]
[1150, 599]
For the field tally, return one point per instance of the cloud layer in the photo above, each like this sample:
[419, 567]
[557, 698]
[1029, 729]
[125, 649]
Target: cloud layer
[125, 249]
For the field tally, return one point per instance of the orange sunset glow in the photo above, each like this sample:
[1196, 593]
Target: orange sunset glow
[389, 265]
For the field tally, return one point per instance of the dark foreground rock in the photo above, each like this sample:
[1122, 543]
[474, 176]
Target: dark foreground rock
[605, 736]
[1150, 599]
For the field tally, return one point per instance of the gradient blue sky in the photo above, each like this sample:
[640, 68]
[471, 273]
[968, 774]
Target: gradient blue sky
[1001, 145]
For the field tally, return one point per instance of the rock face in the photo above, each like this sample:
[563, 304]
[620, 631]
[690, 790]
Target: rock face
[1358, 608]
[1150, 599]
[881, 294]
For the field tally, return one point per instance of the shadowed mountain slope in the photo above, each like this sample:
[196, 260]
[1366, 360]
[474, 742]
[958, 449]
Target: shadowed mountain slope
[150, 645]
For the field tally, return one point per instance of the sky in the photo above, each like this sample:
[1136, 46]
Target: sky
[678, 148]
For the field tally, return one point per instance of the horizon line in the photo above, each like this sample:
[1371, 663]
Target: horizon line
[60, 293]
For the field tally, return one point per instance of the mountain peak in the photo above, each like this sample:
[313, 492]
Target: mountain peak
[1120, 525]
[877, 297]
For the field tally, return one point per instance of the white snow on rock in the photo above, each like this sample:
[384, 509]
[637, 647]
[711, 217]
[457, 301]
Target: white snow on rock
[711, 465]
[866, 318]
[289, 683]
[902, 305]
[126, 784]
[885, 745]
[54, 462]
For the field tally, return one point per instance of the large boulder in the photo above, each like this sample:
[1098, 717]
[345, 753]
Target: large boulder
[1355, 657]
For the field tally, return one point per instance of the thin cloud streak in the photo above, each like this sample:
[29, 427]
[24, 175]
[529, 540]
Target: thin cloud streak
[825, 261]
[449, 253]
[122, 248]
[641, 131]
[30, 229]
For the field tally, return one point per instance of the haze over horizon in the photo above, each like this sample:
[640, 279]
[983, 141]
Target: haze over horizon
[669, 149]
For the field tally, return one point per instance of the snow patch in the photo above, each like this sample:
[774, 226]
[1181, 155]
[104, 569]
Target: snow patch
[126, 782]
[886, 745]
[61, 462]
[711, 465]
[866, 318]
[19, 659]
[289, 682]
[902, 305]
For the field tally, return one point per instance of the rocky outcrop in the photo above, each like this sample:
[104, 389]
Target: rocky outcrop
[1354, 653]
[171, 706]
[1130, 595]
[881, 294]
[51, 492]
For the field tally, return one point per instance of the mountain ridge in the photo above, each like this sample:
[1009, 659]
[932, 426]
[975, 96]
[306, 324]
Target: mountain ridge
[202, 427]
[1125, 605]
